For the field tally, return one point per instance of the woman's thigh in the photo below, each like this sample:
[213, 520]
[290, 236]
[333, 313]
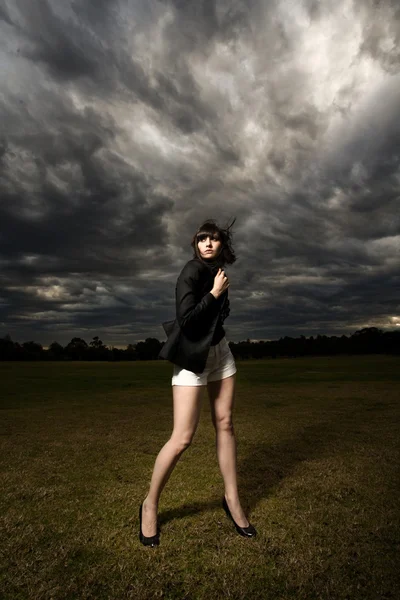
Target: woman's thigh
[222, 395]
[187, 407]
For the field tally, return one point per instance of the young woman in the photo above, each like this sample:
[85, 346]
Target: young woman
[201, 355]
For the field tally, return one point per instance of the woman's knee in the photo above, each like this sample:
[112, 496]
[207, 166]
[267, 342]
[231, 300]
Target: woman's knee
[181, 442]
[224, 423]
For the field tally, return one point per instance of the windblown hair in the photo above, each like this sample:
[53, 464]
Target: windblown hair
[210, 227]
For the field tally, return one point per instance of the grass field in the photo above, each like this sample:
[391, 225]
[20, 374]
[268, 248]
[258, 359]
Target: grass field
[318, 459]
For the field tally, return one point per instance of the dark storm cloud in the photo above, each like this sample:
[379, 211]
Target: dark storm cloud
[83, 47]
[75, 191]
[381, 34]
[124, 124]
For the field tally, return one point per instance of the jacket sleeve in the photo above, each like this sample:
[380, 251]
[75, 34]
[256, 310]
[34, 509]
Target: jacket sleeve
[190, 312]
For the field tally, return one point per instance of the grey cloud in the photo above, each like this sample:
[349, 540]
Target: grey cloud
[128, 123]
[64, 47]
[4, 15]
[381, 35]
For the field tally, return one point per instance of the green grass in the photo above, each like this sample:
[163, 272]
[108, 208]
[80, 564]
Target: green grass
[318, 460]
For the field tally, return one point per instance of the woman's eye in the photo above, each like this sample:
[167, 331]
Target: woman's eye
[203, 238]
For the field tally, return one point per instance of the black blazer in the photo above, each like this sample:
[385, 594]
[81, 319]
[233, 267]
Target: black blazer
[197, 312]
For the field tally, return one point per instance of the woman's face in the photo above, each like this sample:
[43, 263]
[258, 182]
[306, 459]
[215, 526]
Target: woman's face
[209, 245]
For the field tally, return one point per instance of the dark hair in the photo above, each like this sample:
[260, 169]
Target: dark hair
[210, 227]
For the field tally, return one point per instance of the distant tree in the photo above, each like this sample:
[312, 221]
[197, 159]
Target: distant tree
[32, 350]
[149, 349]
[7, 348]
[366, 340]
[116, 354]
[76, 349]
[391, 342]
[55, 351]
[130, 352]
[97, 343]
[97, 350]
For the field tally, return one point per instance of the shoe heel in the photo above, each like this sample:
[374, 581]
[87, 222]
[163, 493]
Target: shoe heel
[249, 531]
[151, 541]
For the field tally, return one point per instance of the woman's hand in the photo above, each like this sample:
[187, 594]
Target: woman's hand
[221, 284]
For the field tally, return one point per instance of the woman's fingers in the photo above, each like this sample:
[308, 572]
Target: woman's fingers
[221, 280]
[221, 273]
[221, 283]
[224, 277]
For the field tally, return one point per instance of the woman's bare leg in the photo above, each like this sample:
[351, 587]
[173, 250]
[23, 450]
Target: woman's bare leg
[187, 406]
[222, 394]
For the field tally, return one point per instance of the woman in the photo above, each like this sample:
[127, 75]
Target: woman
[201, 355]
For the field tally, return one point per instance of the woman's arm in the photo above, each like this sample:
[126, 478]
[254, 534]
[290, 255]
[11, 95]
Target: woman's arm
[190, 311]
[193, 312]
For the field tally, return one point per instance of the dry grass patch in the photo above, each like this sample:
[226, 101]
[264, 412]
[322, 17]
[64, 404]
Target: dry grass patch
[318, 456]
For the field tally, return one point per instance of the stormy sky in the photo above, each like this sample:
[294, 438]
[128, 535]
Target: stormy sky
[125, 123]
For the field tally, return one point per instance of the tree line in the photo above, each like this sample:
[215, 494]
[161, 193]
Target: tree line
[369, 340]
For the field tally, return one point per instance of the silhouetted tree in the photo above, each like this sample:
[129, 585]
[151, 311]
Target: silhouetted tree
[391, 342]
[97, 343]
[130, 352]
[366, 340]
[55, 351]
[32, 350]
[97, 350]
[117, 354]
[77, 349]
[149, 349]
[7, 348]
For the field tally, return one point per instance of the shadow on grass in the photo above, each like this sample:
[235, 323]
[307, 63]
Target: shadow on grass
[267, 464]
[187, 510]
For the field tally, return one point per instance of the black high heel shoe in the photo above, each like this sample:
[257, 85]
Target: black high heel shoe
[151, 541]
[249, 531]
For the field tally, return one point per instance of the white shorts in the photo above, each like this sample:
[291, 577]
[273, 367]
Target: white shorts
[220, 364]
